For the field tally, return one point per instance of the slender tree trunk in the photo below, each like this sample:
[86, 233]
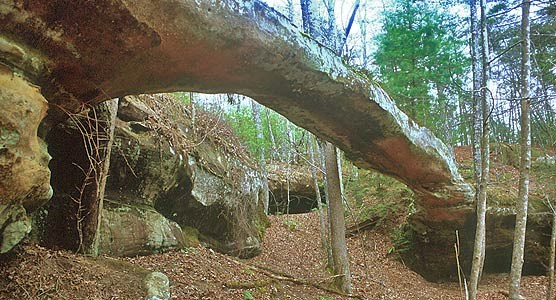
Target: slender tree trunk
[340, 176]
[290, 10]
[320, 149]
[262, 161]
[337, 222]
[525, 165]
[363, 27]
[485, 137]
[273, 146]
[193, 112]
[101, 135]
[324, 239]
[289, 162]
[550, 292]
[307, 16]
[349, 25]
[478, 133]
[332, 31]
[463, 140]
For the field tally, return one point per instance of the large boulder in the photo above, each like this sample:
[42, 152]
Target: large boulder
[161, 179]
[128, 230]
[197, 184]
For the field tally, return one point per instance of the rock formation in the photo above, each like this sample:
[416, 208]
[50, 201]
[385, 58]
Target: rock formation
[24, 174]
[161, 179]
[87, 52]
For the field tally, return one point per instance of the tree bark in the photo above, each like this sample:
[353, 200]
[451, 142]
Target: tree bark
[324, 239]
[320, 148]
[349, 25]
[525, 165]
[485, 112]
[340, 176]
[307, 16]
[478, 42]
[102, 120]
[337, 222]
[550, 291]
[289, 160]
[193, 113]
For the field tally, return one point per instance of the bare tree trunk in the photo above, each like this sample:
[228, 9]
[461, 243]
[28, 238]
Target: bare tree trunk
[550, 291]
[363, 27]
[340, 176]
[349, 25]
[307, 16]
[193, 113]
[273, 146]
[332, 31]
[320, 147]
[525, 165]
[485, 137]
[103, 120]
[289, 162]
[262, 161]
[478, 138]
[463, 138]
[337, 222]
[325, 245]
[290, 11]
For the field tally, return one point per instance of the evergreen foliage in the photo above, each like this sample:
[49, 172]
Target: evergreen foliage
[421, 61]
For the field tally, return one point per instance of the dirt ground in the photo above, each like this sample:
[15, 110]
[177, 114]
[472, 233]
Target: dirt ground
[291, 266]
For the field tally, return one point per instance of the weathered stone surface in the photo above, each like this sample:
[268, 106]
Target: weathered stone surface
[82, 51]
[158, 286]
[155, 177]
[242, 46]
[500, 224]
[133, 230]
[203, 187]
[24, 174]
[16, 225]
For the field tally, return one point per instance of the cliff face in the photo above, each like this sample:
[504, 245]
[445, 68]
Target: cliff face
[161, 179]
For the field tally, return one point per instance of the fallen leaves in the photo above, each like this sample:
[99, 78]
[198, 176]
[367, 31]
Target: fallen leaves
[289, 268]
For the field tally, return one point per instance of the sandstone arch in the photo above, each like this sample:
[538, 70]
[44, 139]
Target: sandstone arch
[89, 51]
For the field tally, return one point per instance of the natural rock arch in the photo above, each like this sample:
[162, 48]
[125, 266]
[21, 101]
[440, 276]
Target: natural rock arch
[86, 52]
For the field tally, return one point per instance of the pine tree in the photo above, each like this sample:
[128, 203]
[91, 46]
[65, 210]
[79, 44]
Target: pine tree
[421, 62]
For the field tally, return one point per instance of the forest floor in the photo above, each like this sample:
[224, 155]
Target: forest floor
[290, 267]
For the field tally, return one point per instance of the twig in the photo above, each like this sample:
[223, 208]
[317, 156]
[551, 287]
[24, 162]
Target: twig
[285, 277]
[248, 285]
